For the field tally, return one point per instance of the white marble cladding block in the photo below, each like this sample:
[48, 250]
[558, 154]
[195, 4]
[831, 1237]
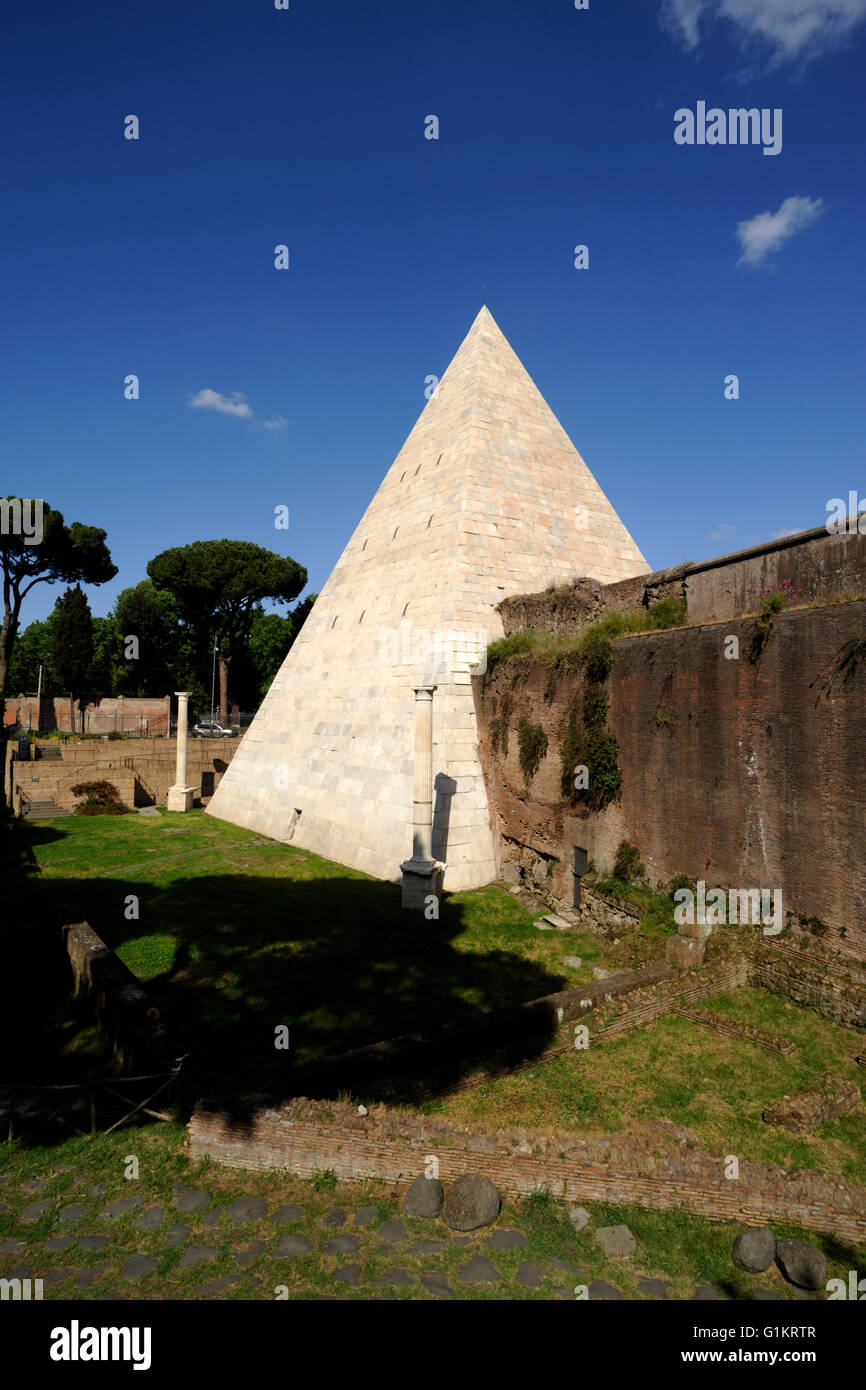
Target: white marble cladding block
[487, 498]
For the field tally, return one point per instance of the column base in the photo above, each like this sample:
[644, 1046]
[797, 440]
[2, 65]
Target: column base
[420, 882]
[180, 798]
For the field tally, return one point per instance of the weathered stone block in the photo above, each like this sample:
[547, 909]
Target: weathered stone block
[683, 951]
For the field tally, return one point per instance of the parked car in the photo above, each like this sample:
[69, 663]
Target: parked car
[209, 728]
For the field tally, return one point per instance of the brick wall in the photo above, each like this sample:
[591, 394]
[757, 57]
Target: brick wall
[750, 779]
[843, 1001]
[142, 770]
[661, 1167]
[646, 1005]
[123, 714]
[816, 563]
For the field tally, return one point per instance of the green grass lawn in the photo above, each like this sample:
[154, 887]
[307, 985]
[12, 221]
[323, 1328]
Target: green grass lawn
[235, 935]
[673, 1069]
[678, 1247]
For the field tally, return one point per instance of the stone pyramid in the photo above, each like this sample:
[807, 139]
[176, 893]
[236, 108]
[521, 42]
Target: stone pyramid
[487, 498]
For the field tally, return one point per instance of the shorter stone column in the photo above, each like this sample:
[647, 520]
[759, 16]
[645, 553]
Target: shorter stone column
[422, 874]
[180, 795]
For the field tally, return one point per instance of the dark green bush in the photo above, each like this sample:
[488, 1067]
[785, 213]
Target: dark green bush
[533, 746]
[100, 799]
[627, 864]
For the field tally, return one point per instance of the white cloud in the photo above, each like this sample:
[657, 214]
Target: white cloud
[235, 404]
[682, 18]
[787, 31]
[767, 231]
[278, 422]
[780, 535]
[722, 531]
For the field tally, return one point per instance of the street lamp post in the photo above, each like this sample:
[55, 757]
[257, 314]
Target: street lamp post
[213, 677]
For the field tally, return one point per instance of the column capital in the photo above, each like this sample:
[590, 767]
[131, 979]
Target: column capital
[183, 694]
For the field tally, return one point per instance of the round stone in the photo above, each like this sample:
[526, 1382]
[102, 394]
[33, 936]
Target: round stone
[424, 1197]
[802, 1263]
[755, 1250]
[617, 1242]
[472, 1202]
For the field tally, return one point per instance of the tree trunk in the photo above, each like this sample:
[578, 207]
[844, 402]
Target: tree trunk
[225, 662]
[71, 712]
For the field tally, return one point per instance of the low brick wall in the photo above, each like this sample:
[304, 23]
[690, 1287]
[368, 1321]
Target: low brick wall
[49, 781]
[661, 1167]
[814, 1106]
[841, 1000]
[732, 1028]
[122, 1010]
[816, 563]
[123, 714]
[141, 769]
[668, 996]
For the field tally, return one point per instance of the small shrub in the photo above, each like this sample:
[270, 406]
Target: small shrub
[597, 653]
[324, 1180]
[499, 735]
[680, 881]
[100, 799]
[533, 747]
[627, 864]
[663, 719]
[587, 741]
[668, 612]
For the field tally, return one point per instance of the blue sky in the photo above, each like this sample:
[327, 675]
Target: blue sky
[306, 127]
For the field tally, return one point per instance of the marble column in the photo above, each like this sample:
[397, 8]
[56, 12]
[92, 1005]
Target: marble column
[422, 874]
[180, 795]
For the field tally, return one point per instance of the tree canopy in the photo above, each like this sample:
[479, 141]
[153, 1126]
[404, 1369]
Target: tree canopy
[218, 587]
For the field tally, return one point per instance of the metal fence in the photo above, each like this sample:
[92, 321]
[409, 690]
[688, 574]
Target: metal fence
[98, 1105]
